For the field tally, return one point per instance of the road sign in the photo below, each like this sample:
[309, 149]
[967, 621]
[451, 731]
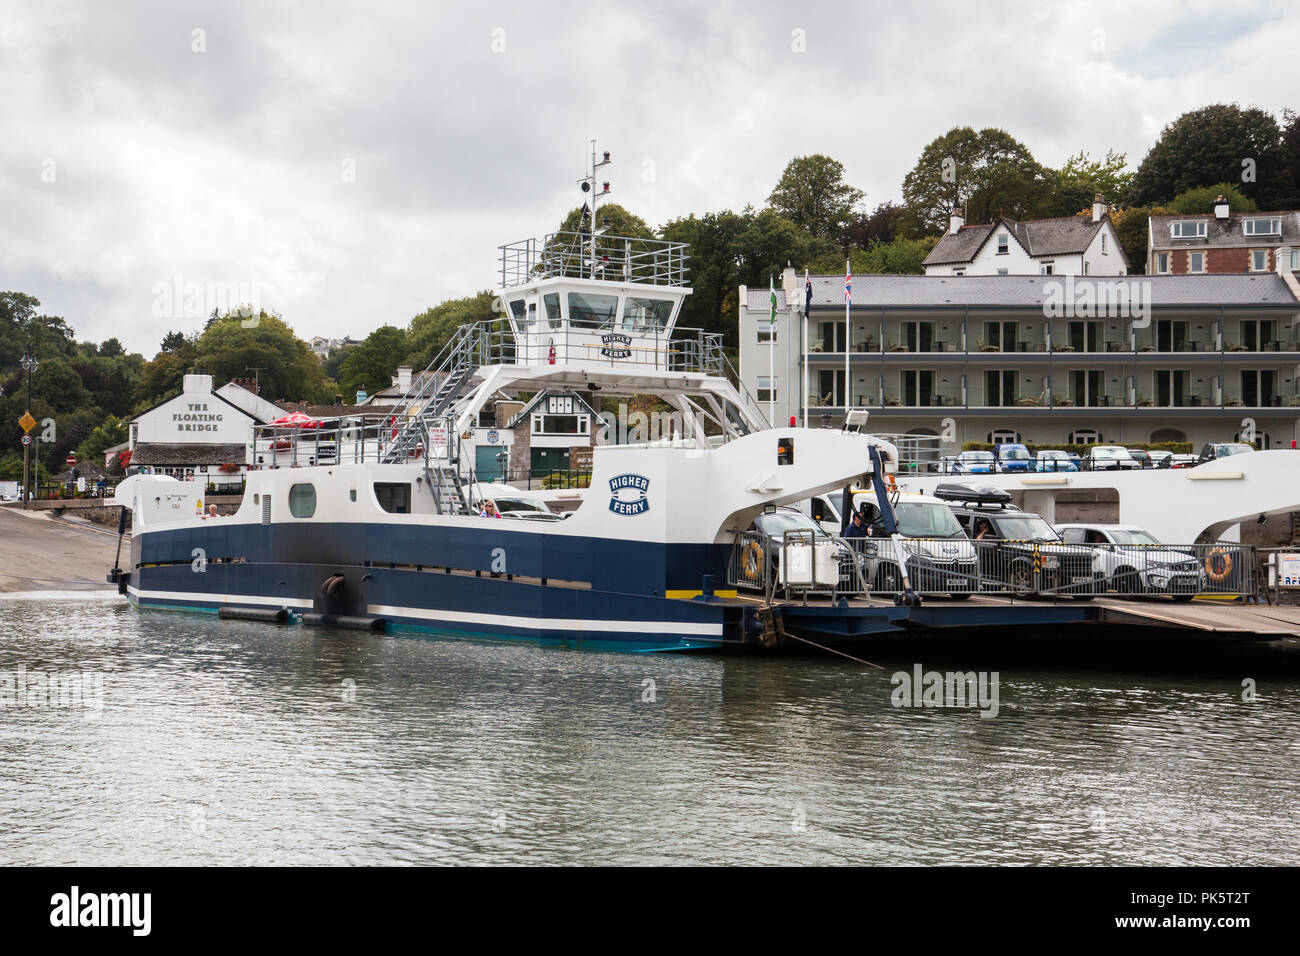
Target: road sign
[27, 421]
[27, 439]
[71, 460]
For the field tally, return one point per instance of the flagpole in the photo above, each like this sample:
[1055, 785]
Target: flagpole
[848, 295]
[771, 357]
[806, 302]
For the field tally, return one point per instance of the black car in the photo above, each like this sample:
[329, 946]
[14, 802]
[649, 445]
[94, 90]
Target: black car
[1213, 451]
[1019, 551]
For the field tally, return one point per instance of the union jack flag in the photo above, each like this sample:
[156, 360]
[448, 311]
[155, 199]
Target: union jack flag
[848, 285]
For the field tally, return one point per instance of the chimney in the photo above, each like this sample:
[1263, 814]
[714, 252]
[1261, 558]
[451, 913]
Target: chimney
[403, 378]
[1220, 207]
[956, 220]
[790, 283]
[1100, 207]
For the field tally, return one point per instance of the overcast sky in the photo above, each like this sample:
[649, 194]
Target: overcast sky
[351, 164]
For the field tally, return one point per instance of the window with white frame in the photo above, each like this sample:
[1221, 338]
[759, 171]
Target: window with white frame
[1162, 263]
[959, 272]
[1046, 268]
[1187, 229]
[1196, 262]
[1085, 436]
[1262, 226]
[1103, 244]
[1002, 272]
[1259, 260]
[767, 331]
[1002, 244]
[767, 388]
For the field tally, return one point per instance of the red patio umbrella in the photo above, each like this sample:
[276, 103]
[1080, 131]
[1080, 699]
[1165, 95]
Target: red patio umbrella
[297, 420]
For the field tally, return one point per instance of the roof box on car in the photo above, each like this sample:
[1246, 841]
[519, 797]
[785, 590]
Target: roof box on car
[973, 494]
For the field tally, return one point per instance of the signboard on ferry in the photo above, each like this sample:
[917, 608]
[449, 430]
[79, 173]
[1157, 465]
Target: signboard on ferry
[1288, 570]
[616, 345]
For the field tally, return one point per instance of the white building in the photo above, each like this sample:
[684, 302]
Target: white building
[201, 431]
[1071, 245]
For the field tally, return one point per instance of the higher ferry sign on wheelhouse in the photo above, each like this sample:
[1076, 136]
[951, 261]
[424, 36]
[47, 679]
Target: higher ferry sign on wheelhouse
[628, 494]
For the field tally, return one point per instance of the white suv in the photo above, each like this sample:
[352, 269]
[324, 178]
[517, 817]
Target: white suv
[1134, 562]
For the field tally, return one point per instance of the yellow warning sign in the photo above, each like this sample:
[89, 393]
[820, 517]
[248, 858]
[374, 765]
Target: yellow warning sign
[27, 421]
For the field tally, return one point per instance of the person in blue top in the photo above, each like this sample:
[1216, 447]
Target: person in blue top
[857, 527]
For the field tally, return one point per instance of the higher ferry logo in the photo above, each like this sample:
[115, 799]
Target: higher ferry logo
[628, 494]
[616, 345]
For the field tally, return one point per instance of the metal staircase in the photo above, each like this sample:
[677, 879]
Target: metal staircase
[439, 386]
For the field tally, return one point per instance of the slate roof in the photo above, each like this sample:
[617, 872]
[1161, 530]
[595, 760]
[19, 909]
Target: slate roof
[1067, 235]
[1225, 232]
[158, 453]
[955, 292]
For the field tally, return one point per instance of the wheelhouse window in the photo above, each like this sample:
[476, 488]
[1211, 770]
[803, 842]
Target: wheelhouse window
[646, 315]
[592, 311]
[1187, 229]
[553, 316]
[302, 500]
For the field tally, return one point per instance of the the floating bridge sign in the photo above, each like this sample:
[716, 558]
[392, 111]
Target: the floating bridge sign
[1288, 570]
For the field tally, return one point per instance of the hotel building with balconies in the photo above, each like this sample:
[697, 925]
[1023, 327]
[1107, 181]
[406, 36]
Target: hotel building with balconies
[1046, 359]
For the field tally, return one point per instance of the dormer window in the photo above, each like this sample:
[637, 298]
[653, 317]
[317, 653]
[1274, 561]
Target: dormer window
[1263, 226]
[1002, 244]
[1187, 229]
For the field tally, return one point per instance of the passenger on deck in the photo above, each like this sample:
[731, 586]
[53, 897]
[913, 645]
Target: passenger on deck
[489, 509]
[212, 512]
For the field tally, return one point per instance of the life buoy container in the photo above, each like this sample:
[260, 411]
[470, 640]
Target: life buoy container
[751, 561]
[1218, 565]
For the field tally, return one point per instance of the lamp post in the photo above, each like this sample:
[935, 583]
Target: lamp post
[28, 362]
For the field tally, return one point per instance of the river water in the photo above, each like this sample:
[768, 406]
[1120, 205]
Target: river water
[200, 741]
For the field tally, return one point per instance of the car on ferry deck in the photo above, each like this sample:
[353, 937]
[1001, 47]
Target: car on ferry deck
[1134, 562]
[1009, 542]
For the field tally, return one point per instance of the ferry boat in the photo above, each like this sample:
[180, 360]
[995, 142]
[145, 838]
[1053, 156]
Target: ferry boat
[367, 521]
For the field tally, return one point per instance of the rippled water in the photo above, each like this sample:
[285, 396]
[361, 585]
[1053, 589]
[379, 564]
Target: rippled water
[232, 742]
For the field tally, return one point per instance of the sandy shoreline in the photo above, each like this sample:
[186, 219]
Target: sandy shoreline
[40, 553]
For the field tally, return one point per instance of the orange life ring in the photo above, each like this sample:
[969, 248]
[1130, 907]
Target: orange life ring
[1225, 566]
[751, 562]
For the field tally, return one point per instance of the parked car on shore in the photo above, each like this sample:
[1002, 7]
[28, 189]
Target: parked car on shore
[1014, 457]
[1213, 451]
[1161, 459]
[1055, 460]
[1142, 457]
[1134, 562]
[974, 463]
[1109, 458]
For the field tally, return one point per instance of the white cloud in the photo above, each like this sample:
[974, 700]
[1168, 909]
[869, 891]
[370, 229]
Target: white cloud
[226, 166]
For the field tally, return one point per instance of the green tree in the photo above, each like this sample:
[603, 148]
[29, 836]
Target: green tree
[714, 276]
[881, 225]
[813, 195]
[430, 330]
[112, 431]
[173, 341]
[373, 362]
[988, 173]
[1215, 144]
[1131, 229]
[1082, 177]
[620, 221]
[230, 346]
[1201, 199]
